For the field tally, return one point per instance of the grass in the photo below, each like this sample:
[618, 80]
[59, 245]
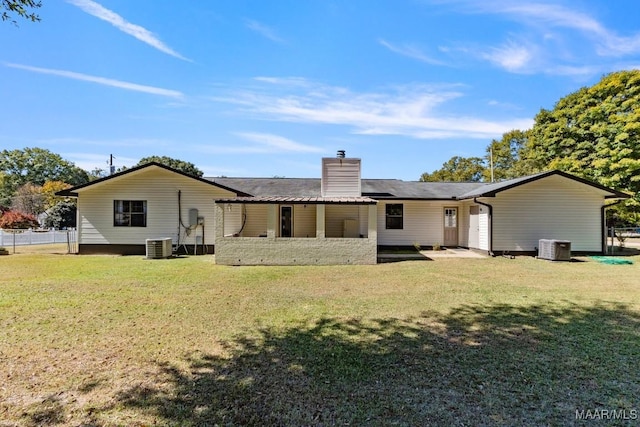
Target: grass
[106, 341]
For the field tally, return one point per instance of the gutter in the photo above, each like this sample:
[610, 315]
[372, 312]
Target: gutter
[604, 224]
[475, 200]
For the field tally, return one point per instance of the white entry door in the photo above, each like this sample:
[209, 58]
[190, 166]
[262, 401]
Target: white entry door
[474, 227]
[450, 226]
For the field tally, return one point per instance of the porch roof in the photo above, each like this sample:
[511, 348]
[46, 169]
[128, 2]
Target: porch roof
[299, 200]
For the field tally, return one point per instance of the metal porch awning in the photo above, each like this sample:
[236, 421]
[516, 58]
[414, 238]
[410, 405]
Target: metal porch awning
[269, 200]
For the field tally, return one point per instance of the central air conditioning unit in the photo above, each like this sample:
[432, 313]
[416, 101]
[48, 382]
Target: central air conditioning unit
[158, 248]
[554, 250]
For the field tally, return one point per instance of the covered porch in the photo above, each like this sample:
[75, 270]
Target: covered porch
[296, 231]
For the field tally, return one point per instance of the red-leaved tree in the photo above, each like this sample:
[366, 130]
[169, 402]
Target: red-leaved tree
[12, 220]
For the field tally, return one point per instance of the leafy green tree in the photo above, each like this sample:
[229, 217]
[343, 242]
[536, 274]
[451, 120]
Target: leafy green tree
[458, 169]
[5, 192]
[62, 215]
[35, 166]
[19, 7]
[186, 167]
[594, 133]
[507, 156]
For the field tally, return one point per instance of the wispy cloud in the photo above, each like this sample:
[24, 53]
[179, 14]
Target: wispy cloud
[285, 81]
[100, 80]
[511, 56]
[407, 110]
[137, 31]
[547, 15]
[263, 30]
[550, 38]
[608, 43]
[262, 143]
[411, 52]
[501, 104]
[120, 142]
[272, 142]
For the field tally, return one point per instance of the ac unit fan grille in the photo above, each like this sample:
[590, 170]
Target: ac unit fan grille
[158, 248]
[554, 250]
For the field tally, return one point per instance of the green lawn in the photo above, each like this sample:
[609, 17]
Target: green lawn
[105, 341]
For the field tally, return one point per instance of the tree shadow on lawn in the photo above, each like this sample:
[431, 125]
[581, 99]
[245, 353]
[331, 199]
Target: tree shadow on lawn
[477, 365]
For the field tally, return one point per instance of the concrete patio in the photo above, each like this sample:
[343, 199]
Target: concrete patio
[428, 255]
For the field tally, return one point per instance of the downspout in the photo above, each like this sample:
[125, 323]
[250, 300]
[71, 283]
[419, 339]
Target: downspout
[475, 200]
[179, 220]
[604, 224]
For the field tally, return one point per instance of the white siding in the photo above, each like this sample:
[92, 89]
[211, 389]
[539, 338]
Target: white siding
[484, 228]
[363, 213]
[341, 177]
[304, 221]
[554, 207]
[423, 223]
[256, 220]
[335, 216]
[232, 219]
[159, 188]
[463, 218]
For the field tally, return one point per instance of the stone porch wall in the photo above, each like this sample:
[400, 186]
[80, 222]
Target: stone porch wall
[295, 251]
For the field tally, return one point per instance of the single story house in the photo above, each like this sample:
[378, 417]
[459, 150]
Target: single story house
[339, 218]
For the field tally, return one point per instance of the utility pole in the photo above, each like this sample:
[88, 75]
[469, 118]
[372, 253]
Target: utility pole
[491, 160]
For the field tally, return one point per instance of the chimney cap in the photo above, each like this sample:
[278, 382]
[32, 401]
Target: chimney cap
[341, 154]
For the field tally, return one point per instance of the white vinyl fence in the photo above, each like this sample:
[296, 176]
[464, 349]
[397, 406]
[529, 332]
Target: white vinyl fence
[12, 238]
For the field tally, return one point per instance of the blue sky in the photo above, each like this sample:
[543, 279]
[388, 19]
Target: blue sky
[267, 88]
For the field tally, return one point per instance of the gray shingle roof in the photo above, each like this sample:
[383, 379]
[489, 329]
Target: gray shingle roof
[374, 188]
[398, 189]
[294, 187]
[380, 189]
[490, 190]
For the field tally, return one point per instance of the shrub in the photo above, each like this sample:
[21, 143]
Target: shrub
[18, 220]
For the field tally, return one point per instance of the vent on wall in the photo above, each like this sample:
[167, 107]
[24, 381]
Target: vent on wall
[554, 250]
[158, 248]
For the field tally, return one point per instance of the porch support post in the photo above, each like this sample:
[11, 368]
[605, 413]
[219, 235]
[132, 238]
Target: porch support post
[219, 224]
[320, 227]
[373, 222]
[272, 221]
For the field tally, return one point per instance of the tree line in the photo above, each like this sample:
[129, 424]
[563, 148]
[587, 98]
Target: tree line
[29, 179]
[593, 133]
